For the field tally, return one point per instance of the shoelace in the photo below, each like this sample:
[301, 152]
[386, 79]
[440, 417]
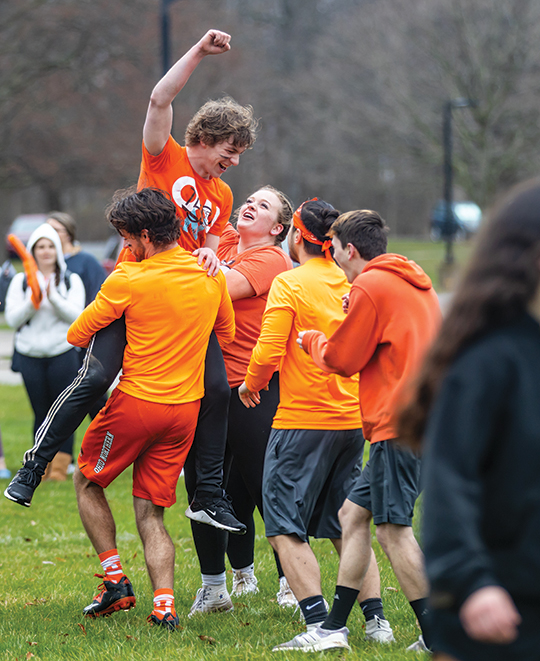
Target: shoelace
[101, 587]
[29, 476]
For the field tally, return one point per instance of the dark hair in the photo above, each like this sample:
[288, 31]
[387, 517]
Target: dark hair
[501, 280]
[149, 209]
[365, 229]
[67, 221]
[219, 120]
[318, 216]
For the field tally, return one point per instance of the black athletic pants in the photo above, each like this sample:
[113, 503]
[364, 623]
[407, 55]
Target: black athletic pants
[101, 365]
[247, 437]
[44, 379]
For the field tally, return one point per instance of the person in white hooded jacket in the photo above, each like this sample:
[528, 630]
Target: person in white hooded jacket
[43, 356]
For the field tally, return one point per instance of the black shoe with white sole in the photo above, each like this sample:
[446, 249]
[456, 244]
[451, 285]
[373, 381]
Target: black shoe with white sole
[217, 512]
[21, 488]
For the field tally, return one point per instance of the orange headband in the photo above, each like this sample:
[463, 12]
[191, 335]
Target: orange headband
[309, 236]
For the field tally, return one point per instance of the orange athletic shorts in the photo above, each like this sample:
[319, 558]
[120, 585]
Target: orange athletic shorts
[155, 438]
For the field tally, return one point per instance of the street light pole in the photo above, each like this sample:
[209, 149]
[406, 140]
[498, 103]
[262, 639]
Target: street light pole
[165, 35]
[448, 228]
[449, 225]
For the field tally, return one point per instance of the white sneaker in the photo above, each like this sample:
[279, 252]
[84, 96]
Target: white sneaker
[243, 583]
[285, 596]
[211, 599]
[379, 630]
[418, 646]
[316, 640]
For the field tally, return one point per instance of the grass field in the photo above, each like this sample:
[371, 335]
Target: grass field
[47, 566]
[46, 577]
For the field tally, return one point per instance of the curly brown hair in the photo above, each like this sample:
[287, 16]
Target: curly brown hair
[222, 119]
[502, 279]
[149, 209]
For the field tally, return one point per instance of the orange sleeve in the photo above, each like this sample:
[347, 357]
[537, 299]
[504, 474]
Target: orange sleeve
[272, 343]
[261, 267]
[109, 304]
[352, 346]
[224, 325]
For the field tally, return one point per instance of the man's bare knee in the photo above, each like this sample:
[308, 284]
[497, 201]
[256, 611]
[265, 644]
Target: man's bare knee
[390, 535]
[353, 516]
[80, 482]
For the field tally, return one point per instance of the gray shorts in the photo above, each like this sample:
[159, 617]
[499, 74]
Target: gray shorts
[389, 484]
[307, 475]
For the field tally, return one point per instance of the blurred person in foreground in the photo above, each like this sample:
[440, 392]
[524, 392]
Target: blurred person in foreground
[393, 315]
[43, 355]
[171, 307]
[315, 447]
[216, 136]
[251, 257]
[476, 411]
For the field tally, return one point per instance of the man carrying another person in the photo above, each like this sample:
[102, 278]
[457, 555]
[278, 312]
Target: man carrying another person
[170, 308]
[393, 315]
[215, 138]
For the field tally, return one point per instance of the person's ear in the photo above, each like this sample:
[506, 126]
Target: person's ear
[145, 236]
[277, 229]
[352, 252]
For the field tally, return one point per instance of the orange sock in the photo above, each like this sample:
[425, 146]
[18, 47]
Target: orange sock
[164, 601]
[110, 561]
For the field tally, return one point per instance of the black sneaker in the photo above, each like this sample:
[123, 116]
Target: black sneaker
[113, 597]
[217, 512]
[167, 621]
[26, 481]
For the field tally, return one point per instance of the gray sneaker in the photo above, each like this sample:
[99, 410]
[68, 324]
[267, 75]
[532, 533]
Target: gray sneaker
[285, 596]
[316, 640]
[379, 630]
[212, 599]
[243, 583]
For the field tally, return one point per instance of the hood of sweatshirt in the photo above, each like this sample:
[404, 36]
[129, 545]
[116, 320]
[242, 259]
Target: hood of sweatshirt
[401, 266]
[45, 231]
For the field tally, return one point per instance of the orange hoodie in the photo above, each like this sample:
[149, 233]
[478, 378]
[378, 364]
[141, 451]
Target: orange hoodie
[393, 317]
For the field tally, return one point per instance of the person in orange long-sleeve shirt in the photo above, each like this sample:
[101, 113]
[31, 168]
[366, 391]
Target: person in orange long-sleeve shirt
[393, 316]
[315, 446]
[170, 308]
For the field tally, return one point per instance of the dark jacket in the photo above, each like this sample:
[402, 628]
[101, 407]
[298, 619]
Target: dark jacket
[482, 469]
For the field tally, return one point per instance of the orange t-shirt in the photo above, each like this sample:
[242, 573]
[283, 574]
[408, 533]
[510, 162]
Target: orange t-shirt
[259, 266]
[305, 297]
[204, 205]
[393, 316]
[171, 307]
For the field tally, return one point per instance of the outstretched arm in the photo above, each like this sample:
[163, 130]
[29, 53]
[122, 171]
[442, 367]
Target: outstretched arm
[158, 123]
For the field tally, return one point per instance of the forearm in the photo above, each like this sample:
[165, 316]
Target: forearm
[68, 309]
[18, 313]
[174, 80]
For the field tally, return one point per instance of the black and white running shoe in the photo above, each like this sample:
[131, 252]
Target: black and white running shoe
[26, 481]
[217, 512]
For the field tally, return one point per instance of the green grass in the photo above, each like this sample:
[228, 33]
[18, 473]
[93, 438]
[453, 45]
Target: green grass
[46, 577]
[430, 256]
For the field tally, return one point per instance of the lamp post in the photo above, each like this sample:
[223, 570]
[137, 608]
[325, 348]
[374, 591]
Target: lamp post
[165, 35]
[449, 226]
